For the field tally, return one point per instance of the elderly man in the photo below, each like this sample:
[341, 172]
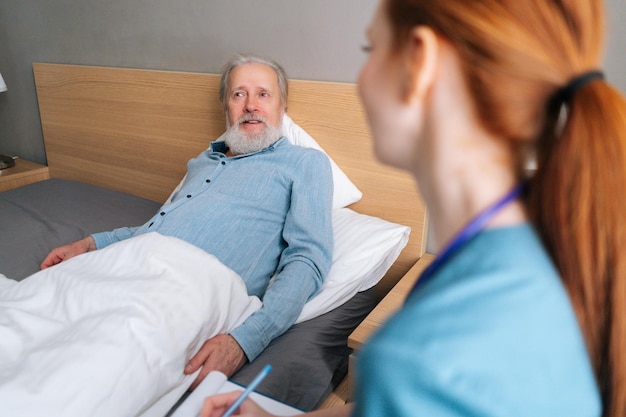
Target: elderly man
[258, 203]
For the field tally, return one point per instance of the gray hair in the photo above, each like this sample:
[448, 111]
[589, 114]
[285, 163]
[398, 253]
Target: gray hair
[241, 59]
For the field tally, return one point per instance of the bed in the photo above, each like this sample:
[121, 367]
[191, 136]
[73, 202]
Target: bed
[117, 142]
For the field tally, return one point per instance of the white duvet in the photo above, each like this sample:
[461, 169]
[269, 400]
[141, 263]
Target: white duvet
[113, 342]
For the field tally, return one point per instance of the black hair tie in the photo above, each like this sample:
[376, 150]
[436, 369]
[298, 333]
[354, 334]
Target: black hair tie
[566, 93]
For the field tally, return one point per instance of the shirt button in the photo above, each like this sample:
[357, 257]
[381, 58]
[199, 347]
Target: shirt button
[223, 162]
[208, 181]
[150, 225]
[162, 213]
[188, 195]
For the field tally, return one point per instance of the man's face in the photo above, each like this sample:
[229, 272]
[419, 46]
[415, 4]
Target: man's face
[253, 90]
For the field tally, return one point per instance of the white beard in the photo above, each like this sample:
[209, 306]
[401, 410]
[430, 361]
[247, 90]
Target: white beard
[241, 143]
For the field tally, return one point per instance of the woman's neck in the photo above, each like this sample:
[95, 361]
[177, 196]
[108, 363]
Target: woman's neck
[461, 167]
[459, 185]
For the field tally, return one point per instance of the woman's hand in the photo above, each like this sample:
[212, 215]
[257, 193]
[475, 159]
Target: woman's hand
[216, 406]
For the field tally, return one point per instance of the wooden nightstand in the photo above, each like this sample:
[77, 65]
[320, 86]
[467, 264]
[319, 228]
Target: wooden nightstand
[377, 317]
[24, 172]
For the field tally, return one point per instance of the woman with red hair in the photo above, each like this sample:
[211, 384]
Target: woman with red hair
[523, 312]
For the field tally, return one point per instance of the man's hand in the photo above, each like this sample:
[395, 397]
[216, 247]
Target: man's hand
[63, 253]
[220, 353]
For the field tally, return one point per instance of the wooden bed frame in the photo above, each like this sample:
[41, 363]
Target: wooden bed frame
[134, 130]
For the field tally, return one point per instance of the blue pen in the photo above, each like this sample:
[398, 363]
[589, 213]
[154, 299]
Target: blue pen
[255, 382]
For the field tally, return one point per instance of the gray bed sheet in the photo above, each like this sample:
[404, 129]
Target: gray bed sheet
[308, 361]
[38, 217]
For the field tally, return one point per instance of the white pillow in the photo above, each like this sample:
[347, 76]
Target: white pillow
[344, 190]
[365, 248]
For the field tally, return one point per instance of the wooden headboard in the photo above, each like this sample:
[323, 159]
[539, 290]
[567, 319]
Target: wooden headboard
[134, 130]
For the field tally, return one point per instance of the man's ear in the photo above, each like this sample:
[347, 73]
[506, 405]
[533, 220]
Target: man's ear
[420, 60]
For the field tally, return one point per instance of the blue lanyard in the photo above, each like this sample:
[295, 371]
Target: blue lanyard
[465, 235]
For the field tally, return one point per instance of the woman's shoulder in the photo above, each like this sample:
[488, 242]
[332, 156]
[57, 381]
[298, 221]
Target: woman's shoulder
[503, 273]
[498, 322]
[502, 257]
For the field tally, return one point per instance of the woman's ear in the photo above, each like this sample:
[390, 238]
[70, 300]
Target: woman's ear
[420, 60]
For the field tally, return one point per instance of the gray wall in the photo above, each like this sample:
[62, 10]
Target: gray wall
[615, 56]
[317, 40]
